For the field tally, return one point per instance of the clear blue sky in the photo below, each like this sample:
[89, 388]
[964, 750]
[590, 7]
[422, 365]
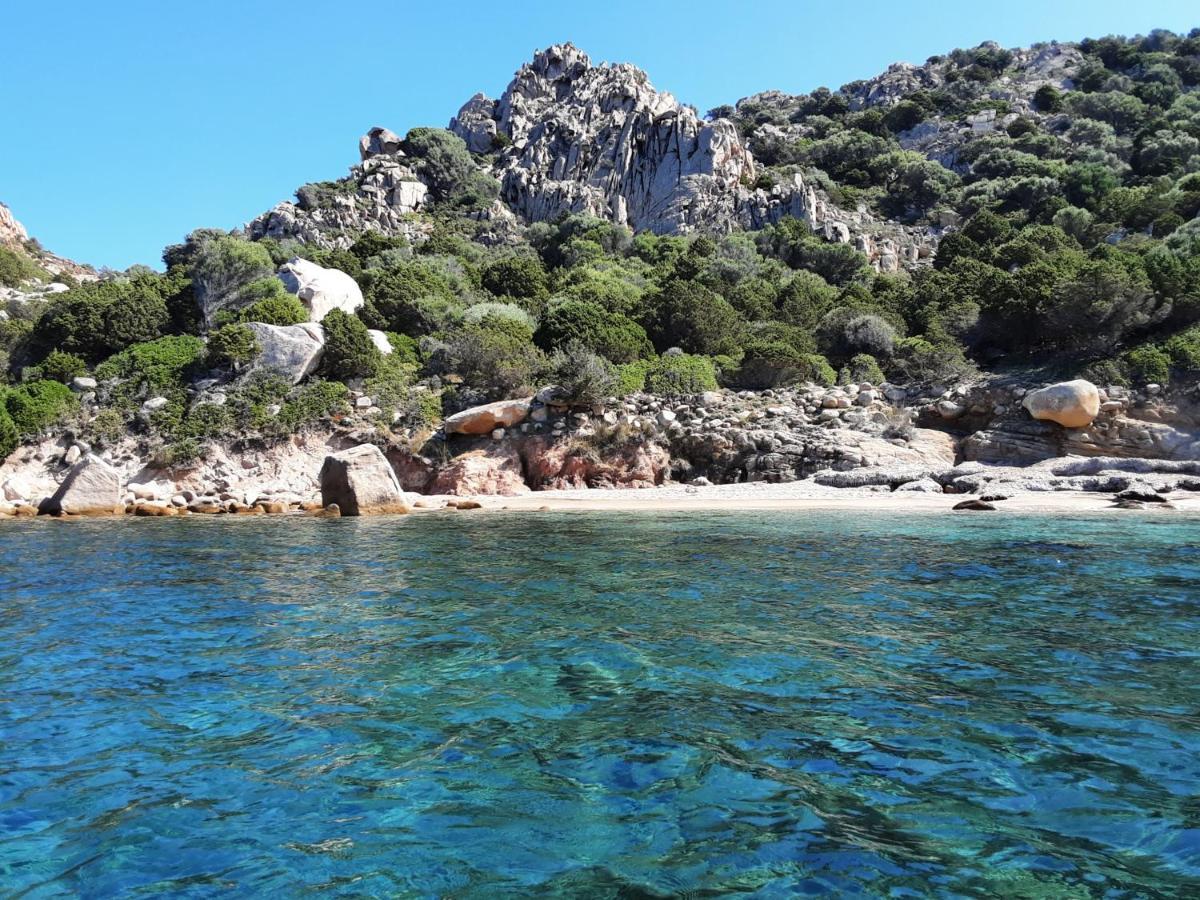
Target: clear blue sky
[128, 123]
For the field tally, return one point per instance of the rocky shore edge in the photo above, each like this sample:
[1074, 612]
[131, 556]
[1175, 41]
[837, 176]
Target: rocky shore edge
[874, 446]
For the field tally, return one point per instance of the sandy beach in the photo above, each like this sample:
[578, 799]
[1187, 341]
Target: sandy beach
[802, 495]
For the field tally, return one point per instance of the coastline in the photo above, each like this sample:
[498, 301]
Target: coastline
[806, 496]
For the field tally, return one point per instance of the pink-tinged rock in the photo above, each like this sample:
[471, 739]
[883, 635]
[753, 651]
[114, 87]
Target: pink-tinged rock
[487, 418]
[496, 470]
[360, 481]
[557, 464]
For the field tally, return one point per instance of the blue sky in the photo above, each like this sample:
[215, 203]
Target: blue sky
[128, 123]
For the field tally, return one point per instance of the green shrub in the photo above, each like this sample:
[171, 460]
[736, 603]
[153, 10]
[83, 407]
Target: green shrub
[1147, 364]
[445, 164]
[232, 345]
[631, 377]
[9, 438]
[99, 318]
[106, 428]
[864, 367]
[1184, 350]
[614, 336]
[349, 350]
[585, 377]
[919, 359]
[223, 270]
[36, 405]
[155, 367]
[676, 374]
[16, 269]
[311, 403]
[278, 307]
[519, 277]
[60, 366]
[694, 318]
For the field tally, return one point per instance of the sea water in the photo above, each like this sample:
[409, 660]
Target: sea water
[602, 705]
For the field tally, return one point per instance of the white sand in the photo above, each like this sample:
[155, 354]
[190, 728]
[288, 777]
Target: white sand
[806, 495]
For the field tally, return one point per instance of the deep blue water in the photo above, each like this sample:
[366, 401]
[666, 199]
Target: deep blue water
[601, 705]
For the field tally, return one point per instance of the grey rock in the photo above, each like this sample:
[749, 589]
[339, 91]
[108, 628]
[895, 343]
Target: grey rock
[292, 351]
[91, 488]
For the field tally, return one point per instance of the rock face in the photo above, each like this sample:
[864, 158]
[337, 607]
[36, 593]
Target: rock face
[292, 351]
[361, 482]
[319, 289]
[601, 140]
[1072, 404]
[557, 464]
[91, 488]
[492, 471]
[485, 419]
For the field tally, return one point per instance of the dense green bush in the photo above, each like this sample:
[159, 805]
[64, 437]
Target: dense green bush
[232, 345]
[349, 350]
[9, 437]
[864, 367]
[518, 277]
[99, 318]
[691, 316]
[678, 374]
[159, 367]
[413, 298]
[36, 405]
[1147, 364]
[584, 377]
[614, 336]
[496, 355]
[16, 269]
[311, 403]
[444, 163]
[60, 366]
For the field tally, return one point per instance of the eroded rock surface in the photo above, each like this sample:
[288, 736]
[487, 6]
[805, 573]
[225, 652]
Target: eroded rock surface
[292, 351]
[1072, 404]
[91, 488]
[321, 290]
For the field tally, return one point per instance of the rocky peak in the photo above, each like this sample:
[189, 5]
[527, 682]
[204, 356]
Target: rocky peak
[12, 232]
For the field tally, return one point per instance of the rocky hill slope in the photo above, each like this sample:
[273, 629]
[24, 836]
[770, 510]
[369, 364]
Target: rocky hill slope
[596, 257]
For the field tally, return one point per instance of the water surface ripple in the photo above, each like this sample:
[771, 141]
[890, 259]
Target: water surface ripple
[601, 705]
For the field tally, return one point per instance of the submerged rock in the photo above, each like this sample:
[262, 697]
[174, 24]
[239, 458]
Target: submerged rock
[360, 482]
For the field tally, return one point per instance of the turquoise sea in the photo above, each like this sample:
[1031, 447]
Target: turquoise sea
[602, 705]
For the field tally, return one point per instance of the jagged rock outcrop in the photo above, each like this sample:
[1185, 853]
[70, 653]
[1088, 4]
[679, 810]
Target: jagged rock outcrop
[292, 351]
[361, 482]
[14, 236]
[321, 290]
[601, 140]
[494, 470]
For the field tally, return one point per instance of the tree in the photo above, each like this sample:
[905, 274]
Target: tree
[222, 269]
[349, 350]
[519, 277]
[688, 315]
[614, 336]
[9, 439]
[445, 164]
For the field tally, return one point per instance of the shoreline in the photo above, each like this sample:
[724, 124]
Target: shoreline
[706, 499]
[758, 497]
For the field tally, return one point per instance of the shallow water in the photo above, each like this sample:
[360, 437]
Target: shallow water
[601, 705]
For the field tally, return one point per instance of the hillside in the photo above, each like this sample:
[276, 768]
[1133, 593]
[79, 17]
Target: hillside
[1028, 209]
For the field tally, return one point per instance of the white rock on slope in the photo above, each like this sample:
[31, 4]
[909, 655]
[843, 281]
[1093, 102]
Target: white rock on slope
[321, 290]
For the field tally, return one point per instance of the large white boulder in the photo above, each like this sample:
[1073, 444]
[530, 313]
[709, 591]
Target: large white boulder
[91, 488]
[362, 482]
[1072, 404]
[319, 289]
[292, 351]
[380, 340]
